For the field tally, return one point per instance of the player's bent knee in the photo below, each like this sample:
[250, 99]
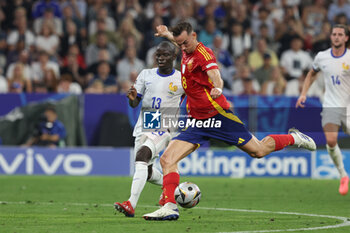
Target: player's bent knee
[257, 154]
[144, 154]
[331, 142]
[165, 161]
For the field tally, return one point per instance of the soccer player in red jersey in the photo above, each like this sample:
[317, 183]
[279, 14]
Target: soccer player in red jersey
[207, 106]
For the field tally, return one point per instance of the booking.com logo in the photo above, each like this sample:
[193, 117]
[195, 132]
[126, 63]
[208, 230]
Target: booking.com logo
[155, 120]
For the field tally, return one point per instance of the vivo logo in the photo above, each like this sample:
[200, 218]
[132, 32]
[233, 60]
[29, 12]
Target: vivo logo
[32, 160]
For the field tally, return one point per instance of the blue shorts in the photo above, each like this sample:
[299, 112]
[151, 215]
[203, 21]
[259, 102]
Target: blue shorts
[224, 126]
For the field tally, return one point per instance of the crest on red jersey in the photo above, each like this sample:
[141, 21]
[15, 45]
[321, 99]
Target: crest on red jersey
[190, 65]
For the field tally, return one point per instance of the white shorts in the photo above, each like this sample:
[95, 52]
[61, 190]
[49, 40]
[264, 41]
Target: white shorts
[337, 116]
[155, 141]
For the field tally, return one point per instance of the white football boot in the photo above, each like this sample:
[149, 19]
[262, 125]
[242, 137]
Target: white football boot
[302, 140]
[166, 212]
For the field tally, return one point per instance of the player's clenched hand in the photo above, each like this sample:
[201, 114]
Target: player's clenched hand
[301, 101]
[215, 93]
[162, 31]
[132, 93]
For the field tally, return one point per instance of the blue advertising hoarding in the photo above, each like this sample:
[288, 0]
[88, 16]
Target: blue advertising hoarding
[324, 167]
[203, 162]
[69, 161]
[239, 164]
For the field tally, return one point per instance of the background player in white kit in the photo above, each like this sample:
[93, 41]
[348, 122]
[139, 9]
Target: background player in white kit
[158, 88]
[335, 66]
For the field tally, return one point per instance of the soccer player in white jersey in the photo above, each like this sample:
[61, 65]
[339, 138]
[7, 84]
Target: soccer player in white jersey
[158, 88]
[335, 66]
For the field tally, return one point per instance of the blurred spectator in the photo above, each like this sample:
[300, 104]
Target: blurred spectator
[102, 42]
[313, 16]
[338, 7]
[224, 61]
[96, 87]
[322, 40]
[40, 6]
[103, 56]
[50, 80]
[102, 27]
[212, 9]
[70, 38]
[18, 82]
[93, 9]
[151, 40]
[239, 15]
[47, 40]
[237, 41]
[290, 27]
[3, 85]
[263, 73]
[341, 19]
[128, 64]
[295, 60]
[21, 33]
[68, 15]
[72, 67]
[42, 64]
[127, 28]
[10, 12]
[207, 35]
[264, 33]
[40, 87]
[78, 8]
[66, 85]
[263, 18]
[156, 9]
[50, 132]
[48, 17]
[256, 57]
[25, 60]
[184, 11]
[104, 75]
[245, 83]
[275, 84]
[102, 15]
[131, 7]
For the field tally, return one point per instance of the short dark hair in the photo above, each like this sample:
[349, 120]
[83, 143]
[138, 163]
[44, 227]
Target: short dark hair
[51, 108]
[167, 44]
[180, 27]
[346, 29]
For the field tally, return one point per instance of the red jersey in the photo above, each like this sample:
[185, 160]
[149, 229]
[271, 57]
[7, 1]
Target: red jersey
[197, 85]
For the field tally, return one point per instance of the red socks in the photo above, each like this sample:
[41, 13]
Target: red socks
[282, 140]
[170, 182]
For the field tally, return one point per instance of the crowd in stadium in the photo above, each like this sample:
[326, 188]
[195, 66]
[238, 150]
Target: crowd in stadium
[99, 46]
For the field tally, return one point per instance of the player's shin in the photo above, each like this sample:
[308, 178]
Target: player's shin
[138, 182]
[337, 158]
[282, 140]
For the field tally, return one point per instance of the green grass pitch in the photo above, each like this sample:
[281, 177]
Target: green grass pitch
[85, 204]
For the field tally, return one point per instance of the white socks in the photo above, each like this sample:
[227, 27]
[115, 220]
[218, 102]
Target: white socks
[140, 178]
[337, 158]
[157, 177]
[138, 182]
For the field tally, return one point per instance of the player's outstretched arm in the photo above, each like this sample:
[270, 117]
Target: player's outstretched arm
[162, 31]
[215, 77]
[134, 100]
[310, 78]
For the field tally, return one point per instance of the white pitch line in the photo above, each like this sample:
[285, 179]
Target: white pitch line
[345, 220]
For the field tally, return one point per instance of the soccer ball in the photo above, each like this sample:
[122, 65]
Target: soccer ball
[187, 195]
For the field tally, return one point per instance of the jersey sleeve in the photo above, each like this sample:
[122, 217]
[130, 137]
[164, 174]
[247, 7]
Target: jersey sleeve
[206, 59]
[140, 84]
[316, 63]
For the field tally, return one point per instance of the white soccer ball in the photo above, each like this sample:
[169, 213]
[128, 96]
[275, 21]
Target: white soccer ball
[187, 195]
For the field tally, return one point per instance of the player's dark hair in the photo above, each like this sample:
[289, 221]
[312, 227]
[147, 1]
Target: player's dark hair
[167, 44]
[346, 29]
[180, 27]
